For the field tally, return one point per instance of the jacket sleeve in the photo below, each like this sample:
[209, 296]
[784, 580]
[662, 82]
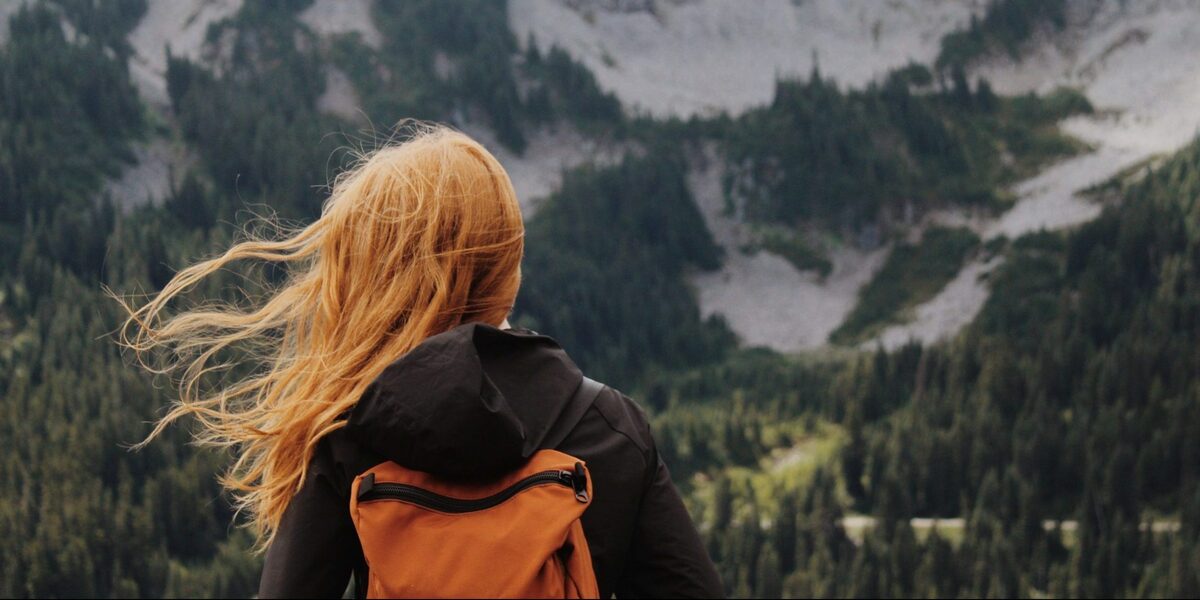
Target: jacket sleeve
[316, 547]
[668, 558]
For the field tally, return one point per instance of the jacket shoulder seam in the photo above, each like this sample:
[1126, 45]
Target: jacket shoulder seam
[609, 419]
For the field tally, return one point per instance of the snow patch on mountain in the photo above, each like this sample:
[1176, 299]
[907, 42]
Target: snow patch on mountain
[331, 17]
[158, 166]
[949, 311]
[764, 298]
[537, 172]
[705, 56]
[1136, 61]
[180, 24]
[340, 98]
[1139, 64]
[680, 58]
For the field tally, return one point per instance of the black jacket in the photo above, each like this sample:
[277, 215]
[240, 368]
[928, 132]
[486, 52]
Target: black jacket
[475, 402]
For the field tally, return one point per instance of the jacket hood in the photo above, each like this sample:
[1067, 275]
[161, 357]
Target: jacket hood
[472, 402]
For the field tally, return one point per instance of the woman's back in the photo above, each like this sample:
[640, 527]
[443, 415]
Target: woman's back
[474, 403]
[382, 345]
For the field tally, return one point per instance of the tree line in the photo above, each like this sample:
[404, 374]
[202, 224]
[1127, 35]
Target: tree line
[1073, 396]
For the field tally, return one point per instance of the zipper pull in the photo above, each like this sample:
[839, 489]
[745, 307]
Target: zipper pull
[579, 482]
[364, 486]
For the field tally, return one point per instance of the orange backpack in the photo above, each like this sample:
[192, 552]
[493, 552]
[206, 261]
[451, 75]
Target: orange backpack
[518, 536]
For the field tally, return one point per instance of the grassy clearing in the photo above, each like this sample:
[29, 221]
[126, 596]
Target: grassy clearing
[815, 444]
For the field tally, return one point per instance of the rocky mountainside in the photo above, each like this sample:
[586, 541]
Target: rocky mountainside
[1134, 61]
[685, 58]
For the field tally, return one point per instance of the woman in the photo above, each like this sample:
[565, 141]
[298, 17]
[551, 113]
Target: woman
[389, 342]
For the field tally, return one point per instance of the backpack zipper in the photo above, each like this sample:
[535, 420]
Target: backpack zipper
[369, 491]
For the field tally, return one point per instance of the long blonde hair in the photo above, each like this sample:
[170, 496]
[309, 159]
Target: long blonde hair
[416, 239]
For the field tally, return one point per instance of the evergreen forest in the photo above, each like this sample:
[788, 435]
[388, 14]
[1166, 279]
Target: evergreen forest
[1050, 449]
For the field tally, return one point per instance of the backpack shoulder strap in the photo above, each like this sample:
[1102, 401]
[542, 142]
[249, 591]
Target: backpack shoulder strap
[579, 404]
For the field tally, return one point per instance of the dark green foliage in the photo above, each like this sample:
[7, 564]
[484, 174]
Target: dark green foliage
[1024, 293]
[80, 515]
[67, 112]
[447, 60]
[605, 258]
[1058, 104]
[1004, 27]
[565, 87]
[912, 75]
[810, 150]
[474, 37]
[257, 126]
[1073, 397]
[985, 99]
[192, 204]
[793, 248]
[106, 23]
[848, 161]
[911, 275]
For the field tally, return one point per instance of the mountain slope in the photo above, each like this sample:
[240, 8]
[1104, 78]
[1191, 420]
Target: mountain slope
[1130, 61]
[685, 58]
[680, 58]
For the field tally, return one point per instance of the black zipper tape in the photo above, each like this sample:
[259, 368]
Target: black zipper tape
[369, 491]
